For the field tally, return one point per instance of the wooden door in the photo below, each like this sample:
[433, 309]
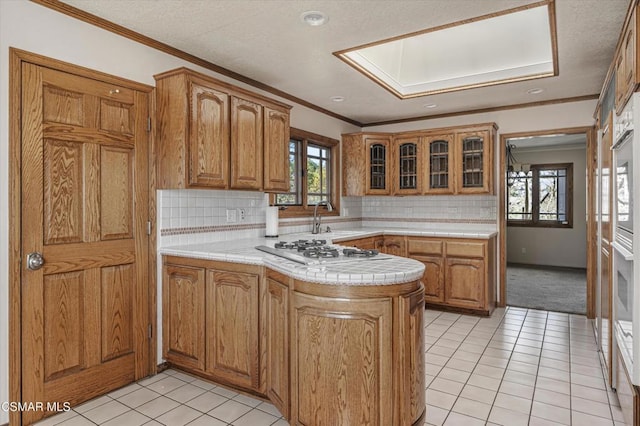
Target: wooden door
[85, 209]
[278, 342]
[232, 327]
[183, 329]
[276, 150]
[208, 137]
[246, 144]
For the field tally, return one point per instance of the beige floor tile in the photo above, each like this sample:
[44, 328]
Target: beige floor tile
[472, 408]
[440, 399]
[129, 418]
[513, 403]
[553, 398]
[185, 393]
[590, 407]
[477, 394]
[106, 412]
[138, 397]
[503, 416]
[166, 385]
[207, 401]
[179, 416]
[206, 420]
[436, 415]
[448, 386]
[89, 405]
[517, 389]
[255, 418]
[579, 418]
[553, 385]
[77, 421]
[484, 382]
[157, 407]
[230, 411]
[459, 364]
[457, 419]
[247, 400]
[551, 412]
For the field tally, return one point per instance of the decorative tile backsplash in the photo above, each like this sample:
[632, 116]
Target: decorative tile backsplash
[196, 216]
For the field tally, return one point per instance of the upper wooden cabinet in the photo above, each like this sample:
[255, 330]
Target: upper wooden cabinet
[456, 160]
[438, 161]
[406, 156]
[214, 135]
[625, 63]
[378, 166]
[276, 153]
[474, 162]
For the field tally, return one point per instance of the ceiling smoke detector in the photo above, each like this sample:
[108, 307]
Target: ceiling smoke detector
[337, 98]
[535, 91]
[430, 106]
[314, 18]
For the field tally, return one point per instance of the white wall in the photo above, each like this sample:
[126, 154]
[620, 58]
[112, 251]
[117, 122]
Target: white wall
[554, 246]
[34, 28]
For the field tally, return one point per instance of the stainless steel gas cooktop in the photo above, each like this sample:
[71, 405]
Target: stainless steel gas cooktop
[313, 252]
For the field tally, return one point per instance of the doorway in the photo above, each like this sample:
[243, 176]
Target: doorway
[545, 206]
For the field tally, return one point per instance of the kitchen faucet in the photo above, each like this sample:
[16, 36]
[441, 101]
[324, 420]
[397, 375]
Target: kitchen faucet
[315, 227]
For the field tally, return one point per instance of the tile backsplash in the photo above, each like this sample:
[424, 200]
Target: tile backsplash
[197, 216]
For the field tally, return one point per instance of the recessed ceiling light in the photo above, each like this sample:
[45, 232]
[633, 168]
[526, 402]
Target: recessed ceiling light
[314, 18]
[535, 91]
[337, 98]
[430, 105]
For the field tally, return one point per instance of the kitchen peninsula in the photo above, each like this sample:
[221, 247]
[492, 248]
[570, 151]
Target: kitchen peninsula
[326, 342]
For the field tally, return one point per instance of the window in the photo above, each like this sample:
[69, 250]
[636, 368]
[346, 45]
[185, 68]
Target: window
[541, 196]
[313, 174]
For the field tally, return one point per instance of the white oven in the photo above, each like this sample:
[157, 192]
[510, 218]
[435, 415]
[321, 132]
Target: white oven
[626, 243]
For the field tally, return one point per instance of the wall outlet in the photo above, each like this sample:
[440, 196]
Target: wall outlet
[524, 250]
[242, 214]
[232, 216]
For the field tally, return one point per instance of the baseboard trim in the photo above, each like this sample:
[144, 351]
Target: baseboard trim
[555, 267]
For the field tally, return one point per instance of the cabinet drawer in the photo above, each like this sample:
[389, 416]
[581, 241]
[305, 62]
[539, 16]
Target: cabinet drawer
[424, 247]
[465, 249]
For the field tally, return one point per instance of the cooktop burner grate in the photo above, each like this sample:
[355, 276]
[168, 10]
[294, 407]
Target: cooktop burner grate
[359, 253]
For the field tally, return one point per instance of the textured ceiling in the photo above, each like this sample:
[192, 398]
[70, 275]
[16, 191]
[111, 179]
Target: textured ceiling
[266, 41]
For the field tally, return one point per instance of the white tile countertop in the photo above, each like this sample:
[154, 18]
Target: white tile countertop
[384, 271]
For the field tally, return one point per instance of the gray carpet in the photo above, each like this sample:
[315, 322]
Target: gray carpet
[551, 289]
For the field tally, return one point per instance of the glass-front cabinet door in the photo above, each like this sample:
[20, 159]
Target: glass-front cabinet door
[406, 158]
[474, 161]
[438, 164]
[378, 166]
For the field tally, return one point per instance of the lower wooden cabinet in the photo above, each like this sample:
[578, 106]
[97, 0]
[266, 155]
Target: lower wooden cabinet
[232, 327]
[459, 274]
[322, 354]
[183, 327]
[278, 341]
[211, 320]
[393, 244]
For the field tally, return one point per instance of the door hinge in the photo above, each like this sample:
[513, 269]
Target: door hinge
[148, 227]
[148, 124]
[149, 332]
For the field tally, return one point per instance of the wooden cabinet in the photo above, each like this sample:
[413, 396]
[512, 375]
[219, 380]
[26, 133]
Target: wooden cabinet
[407, 179]
[393, 244]
[211, 323]
[626, 64]
[232, 327]
[276, 150]
[277, 329]
[474, 162]
[246, 144]
[459, 273]
[212, 134]
[378, 165]
[412, 355]
[368, 243]
[183, 325]
[438, 161]
[455, 160]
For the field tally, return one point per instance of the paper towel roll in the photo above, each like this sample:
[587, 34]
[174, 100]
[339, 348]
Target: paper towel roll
[272, 222]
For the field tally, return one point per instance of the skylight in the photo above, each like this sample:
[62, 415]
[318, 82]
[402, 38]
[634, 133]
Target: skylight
[513, 45]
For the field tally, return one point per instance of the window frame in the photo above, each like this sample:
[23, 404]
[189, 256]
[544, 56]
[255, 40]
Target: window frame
[304, 210]
[535, 221]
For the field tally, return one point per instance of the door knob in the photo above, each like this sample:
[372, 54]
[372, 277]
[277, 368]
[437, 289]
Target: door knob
[34, 261]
